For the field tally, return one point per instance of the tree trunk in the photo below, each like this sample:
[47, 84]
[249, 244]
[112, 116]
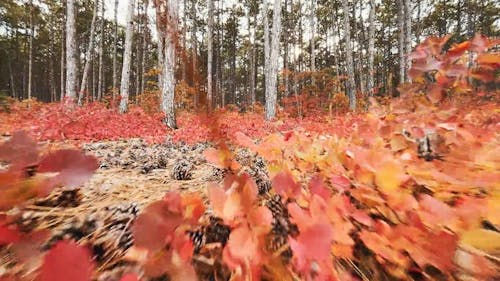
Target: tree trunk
[371, 48]
[127, 57]
[350, 82]
[167, 24]
[88, 55]
[360, 38]
[273, 52]
[63, 56]
[101, 85]
[138, 53]
[286, 51]
[115, 63]
[210, 55]
[267, 62]
[144, 46]
[30, 62]
[401, 41]
[161, 60]
[52, 86]
[253, 54]
[194, 53]
[70, 51]
[313, 47]
[407, 18]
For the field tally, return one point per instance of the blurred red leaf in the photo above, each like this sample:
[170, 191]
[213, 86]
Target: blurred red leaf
[8, 234]
[73, 166]
[20, 149]
[153, 226]
[317, 186]
[479, 43]
[285, 185]
[66, 261]
[489, 58]
[459, 49]
[129, 277]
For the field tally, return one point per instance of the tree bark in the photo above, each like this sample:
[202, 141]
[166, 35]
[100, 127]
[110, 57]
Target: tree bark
[30, 62]
[115, 63]
[408, 22]
[253, 55]
[210, 55]
[138, 52]
[313, 47]
[100, 87]
[266, 47]
[88, 55]
[63, 55]
[273, 52]
[350, 82]
[70, 51]
[144, 46]
[169, 27]
[127, 57]
[401, 41]
[286, 32]
[194, 53]
[371, 48]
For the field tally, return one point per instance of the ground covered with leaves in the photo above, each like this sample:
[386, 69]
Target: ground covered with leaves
[409, 190]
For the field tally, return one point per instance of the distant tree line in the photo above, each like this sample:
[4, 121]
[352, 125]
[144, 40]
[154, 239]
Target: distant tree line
[213, 53]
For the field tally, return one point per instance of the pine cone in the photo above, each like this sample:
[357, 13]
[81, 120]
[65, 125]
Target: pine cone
[63, 198]
[182, 170]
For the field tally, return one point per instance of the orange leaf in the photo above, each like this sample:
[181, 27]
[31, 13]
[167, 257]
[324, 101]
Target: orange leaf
[389, 176]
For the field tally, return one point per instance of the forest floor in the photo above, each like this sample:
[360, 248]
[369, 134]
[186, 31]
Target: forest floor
[394, 180]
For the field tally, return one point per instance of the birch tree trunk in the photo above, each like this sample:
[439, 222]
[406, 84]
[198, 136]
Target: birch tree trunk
[266, 47]
[273, 52]
[161, 59]
[127, 58]
[407, 19]
[88, 55]
[70, 51]
[360, 38]
[100, 86]
[371, 48]
[30, 60]
[63, 56]
[194, 53]
[138, 52]
[350, 82]
[210, 55]
[115, 63]
[401, 41]
[313, 47]
[144, 46]
[252, 60]
[167, 21]
[286, 33]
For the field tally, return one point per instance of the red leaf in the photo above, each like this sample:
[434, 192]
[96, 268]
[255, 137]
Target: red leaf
[245, 141]
[129, 277]
[19, 149]
[66, 261]
[8, 234]
[74, 167]
[317, 187]
[479, 43]
[341, 183]
[284, 184]
[243, 246]
[152, 227]
[313, 243]
[459, 49]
